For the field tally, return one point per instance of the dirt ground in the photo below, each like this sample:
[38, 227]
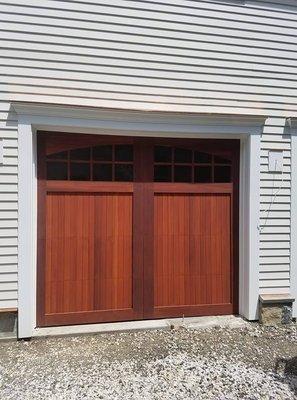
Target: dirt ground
[250, 362]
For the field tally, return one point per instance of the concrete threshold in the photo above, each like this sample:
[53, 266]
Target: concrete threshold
[229, 321]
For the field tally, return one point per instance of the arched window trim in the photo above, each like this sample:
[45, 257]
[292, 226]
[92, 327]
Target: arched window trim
[106, 162]
[191, 165]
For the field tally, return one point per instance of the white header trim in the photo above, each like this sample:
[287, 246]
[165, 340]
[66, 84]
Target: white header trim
[46, 117]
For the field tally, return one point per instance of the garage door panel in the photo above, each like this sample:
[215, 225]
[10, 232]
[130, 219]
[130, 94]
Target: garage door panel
[69, 256]
[89, 252]
[171, 250]
[113, 251]
[133, 228]
[192, 253]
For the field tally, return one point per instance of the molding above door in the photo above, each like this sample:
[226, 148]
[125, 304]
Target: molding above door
[90, 120]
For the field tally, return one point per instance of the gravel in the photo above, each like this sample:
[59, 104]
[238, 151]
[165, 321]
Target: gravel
[216, 363]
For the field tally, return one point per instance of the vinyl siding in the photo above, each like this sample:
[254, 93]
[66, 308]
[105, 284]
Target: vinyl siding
[275, 211]
[8, 210]
[165, 55]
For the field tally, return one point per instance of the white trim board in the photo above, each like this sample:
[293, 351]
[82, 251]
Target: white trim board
[88, 120]
[293, 264]
[249, 217]
[32, 118]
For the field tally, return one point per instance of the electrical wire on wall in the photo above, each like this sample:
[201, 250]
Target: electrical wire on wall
[273, 198]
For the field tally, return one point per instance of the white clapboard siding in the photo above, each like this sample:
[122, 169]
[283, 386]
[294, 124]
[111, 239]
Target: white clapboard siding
[275, 206]
[275, 283]
[8, 233]
[6, 303]
[274, 254]
[10, 285]
[8, 295]
[266, 276]
[183, 56]
[166, 55]
[280, 289]
[8, 211]
[264, 159]
[274, 268]
[273, 237]
[7, 277]
[275, 245]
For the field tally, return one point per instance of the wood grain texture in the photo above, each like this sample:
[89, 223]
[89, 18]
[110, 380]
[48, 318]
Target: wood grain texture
[114, 251]
[192, 254]
[88, 252]
[92, 187]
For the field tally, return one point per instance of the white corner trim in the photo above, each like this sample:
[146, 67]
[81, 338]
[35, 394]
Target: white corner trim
[293, 264]
[248, 129]
[26, 229]
[254, 224]
[249, 220]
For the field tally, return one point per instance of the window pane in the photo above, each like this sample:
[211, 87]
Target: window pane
[162, 154]
[182, 155]
[102, 172]
[62, 155]
[222, 174]
[79, 171]
[162, 173]
[203, 174]
[80, 154]
[124, 152]
[124, 172]
[202, 158]
[102, 153]
[182, 173]
[56, 170]
[221, 160]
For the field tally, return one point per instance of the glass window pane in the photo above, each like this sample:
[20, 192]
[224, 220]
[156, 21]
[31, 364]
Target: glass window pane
[182, 155]
[162, 173]
[124, 152]
[102, 172]
[79, 171]
[222, 174]
[56, 170]
[80, 154]
[62, 155]
[163, 154]
[203, 174]
[221, 160]
[182, 173]
[124, 172]
[102, 153]
[202, 158]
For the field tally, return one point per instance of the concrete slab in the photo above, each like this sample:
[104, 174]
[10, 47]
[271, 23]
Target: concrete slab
[101, 328]
[229, 321]
[189, 323]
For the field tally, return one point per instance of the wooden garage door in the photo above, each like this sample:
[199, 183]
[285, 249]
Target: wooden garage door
[135, 228]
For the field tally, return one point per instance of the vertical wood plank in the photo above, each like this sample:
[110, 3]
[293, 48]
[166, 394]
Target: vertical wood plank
[192, 249]
[87, 236]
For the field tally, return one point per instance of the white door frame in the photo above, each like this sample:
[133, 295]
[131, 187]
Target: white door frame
[32, 118]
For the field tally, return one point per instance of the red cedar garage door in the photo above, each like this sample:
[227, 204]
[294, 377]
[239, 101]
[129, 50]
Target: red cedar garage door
[132, 228]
